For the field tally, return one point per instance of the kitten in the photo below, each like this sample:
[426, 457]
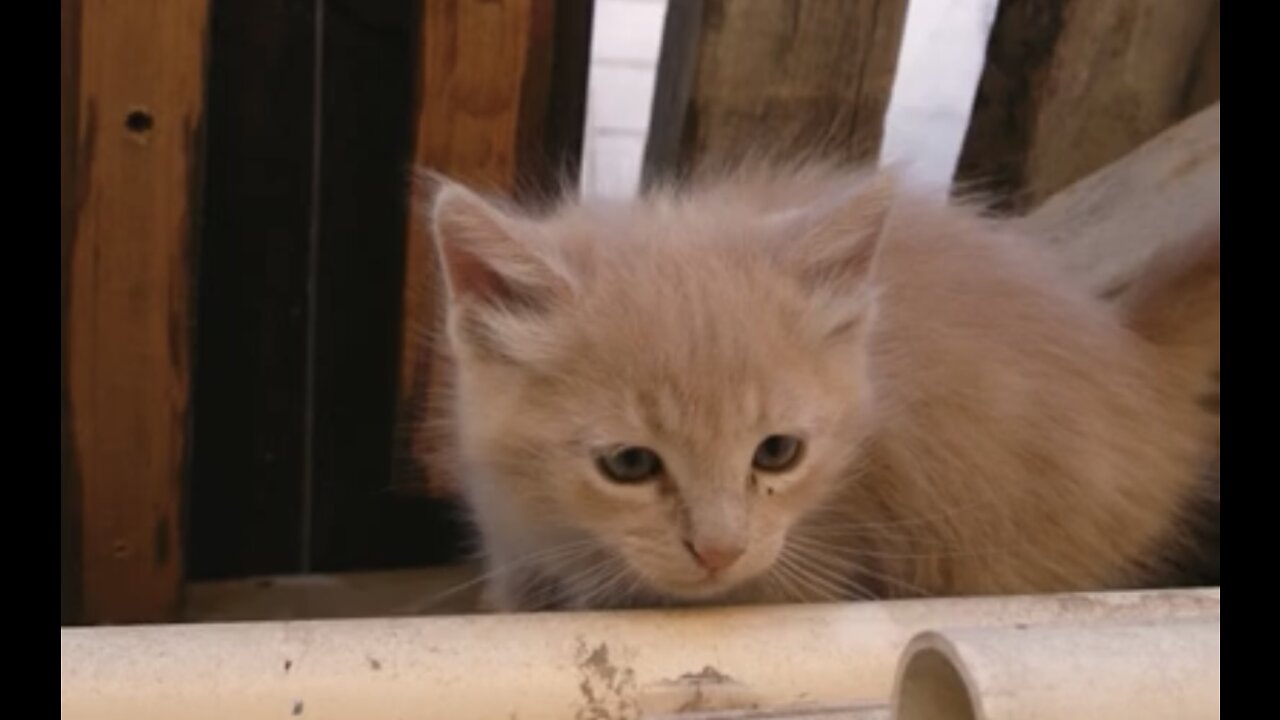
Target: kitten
[810, 384]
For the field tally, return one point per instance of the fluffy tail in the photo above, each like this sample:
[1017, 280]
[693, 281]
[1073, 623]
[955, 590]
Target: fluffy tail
[1176, 304]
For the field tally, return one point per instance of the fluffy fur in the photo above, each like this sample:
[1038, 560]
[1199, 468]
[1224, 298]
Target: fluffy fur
[973, 423]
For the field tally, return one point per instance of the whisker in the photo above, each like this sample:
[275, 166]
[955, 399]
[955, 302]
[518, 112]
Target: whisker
[603, 582]
[562, 552]
[832, 578]
[912, 588]
[808, 547]
[786, 581]
[809, 582]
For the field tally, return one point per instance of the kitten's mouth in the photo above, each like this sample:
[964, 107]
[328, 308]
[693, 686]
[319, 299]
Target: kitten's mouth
[712, 585]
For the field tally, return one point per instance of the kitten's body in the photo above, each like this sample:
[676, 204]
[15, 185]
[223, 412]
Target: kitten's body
[973, 423]
[1052, 447]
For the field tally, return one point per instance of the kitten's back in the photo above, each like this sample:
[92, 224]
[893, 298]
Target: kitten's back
[1030, 419]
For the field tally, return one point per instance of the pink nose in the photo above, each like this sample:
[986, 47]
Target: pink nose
[715, 557]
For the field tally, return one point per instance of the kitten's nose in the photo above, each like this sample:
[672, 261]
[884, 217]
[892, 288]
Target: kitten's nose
[715, 557]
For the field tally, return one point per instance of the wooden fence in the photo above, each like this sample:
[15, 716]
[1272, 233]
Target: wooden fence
[247, 295]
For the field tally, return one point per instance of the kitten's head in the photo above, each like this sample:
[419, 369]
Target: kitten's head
[676, 379]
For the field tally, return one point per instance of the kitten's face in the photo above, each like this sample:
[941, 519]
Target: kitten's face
[664, 383]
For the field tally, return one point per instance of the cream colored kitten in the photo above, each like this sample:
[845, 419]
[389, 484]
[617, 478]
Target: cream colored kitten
[808, 384]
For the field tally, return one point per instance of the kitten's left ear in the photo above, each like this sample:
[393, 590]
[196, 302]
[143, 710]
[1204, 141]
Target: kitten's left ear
[490, 257]
[502, 276]
[834, 251]
[838, 248]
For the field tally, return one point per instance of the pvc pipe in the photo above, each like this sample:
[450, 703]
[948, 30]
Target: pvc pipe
[1106, 671]
[546, 665]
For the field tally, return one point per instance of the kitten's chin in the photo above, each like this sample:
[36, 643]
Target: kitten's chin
[702, 592]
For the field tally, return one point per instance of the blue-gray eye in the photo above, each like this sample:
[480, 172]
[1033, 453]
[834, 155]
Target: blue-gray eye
[778, 453]
[629, 464]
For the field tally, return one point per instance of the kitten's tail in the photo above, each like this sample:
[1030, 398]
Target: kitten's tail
[1177, 306]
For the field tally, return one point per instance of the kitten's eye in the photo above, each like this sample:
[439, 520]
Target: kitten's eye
[778, 453]
[630, 464]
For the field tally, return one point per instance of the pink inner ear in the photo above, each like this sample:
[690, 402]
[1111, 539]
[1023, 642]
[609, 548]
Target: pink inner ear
[471, 239]
[468, 275]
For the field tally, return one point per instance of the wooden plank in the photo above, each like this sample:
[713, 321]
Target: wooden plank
[1205, 84]
[812, 75]
[247, 479]
[486, 72]
[356, 522]
[70, 479]
[564, 125]
[485, 78]
[140, 98]
[1106, 227]
[1071, 85]
[677, 63]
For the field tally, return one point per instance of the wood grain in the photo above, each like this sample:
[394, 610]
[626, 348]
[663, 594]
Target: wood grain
[1107, 226]
[1206, 83]
[1071, 85]
[673, 88]
[140, 94]
[810, 75]
[72, 591]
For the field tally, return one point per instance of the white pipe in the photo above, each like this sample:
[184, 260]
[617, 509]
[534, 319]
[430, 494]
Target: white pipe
[549, 665]
[1106, 671]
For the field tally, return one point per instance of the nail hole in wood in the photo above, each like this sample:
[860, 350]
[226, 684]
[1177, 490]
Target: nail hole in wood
[139, 121]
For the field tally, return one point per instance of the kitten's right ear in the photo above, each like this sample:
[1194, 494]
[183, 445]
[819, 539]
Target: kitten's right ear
[834, 252]
[841, 249]
[487, 255]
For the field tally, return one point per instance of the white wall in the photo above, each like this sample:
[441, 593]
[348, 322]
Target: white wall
[624, 57]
